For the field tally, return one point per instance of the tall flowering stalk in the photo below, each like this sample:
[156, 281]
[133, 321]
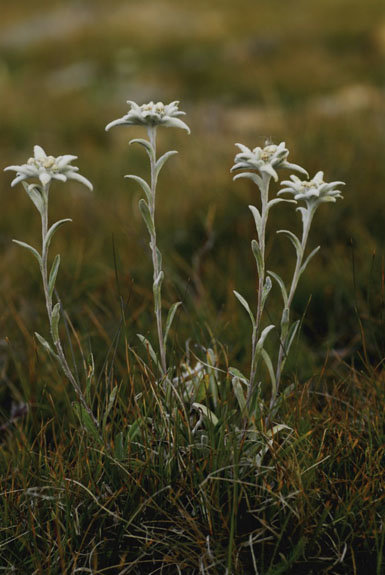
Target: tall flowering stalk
[152, 116]
[261, 165]
[313, 192]
[45, 169]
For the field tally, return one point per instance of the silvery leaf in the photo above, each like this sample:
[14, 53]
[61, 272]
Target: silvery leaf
[162, 160]
[111, 401]
[157, 286]
[294, 240]
[44, 343]
[35, 195]
[262, 338]
[251, 176]
[149, 349]
[146, 215]
[52, 230]
[270, 369]
[170, 319]
[86, 421]
[236, 373]
[258, 257]
[242, 300]
[285, 317]
[143, 184]
[30, 248]
[266, 291]
[159, 258]
[53, 274]
[309, 257]
[278, 201]
[257, 219]
[55, 322]
[209, 415]
[281, 284]
[239, 393]
[291, 336]
[146, 144]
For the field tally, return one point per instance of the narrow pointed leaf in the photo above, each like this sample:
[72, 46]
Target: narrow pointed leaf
[239, 393]
[111, 401]
[266, 291]
[262, 338]
[309, 257]
[281, 284]
[159, 258]
[30, 248]
[278, 201]
[44, 343]
[242, 300]
[294, 240]
[258, 257]
[304, 214]
[209, 415]
[251, 176]
[146, 145]
[285, 319]
[257, 219]
[290, 338]
[236, 373]
[52, 230]
[156, 288]
[146, 215]
[143, 184]
[133, 430]
[53, 275]
[86, 420]
[55, 322]
[35, 195]
[149, 349]
[170, 319]
[162, 160]
[270, 369]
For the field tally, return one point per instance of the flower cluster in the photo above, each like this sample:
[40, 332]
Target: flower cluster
[152, 115]
[314, 191]
[46, 168]
[265, 160]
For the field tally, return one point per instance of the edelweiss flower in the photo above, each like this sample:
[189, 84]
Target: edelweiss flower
[314, 191]
[266, 159]
[151, 115]
[47, 168]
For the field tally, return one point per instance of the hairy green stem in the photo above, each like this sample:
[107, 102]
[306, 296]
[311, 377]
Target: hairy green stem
[48, 302]
[294, 283]
[261, 282]
[154, 252]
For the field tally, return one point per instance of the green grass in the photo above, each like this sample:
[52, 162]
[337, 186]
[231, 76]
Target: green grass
[151, 497]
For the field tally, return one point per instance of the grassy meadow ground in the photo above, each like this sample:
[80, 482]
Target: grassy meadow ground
[308, 73]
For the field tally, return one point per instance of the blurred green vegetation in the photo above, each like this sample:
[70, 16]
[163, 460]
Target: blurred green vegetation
[311, 74]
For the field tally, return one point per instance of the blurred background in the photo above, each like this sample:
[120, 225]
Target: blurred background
[311, 74]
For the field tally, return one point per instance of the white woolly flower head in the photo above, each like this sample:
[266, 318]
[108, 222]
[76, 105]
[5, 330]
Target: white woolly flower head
[151, 115]
[46, 168]
[265, 160]
[314, 191]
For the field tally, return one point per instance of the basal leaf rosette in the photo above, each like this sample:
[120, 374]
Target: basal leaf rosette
[46, 168]
[151, 115]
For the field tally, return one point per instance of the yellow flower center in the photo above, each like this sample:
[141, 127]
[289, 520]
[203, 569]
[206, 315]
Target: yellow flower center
[48, 163]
